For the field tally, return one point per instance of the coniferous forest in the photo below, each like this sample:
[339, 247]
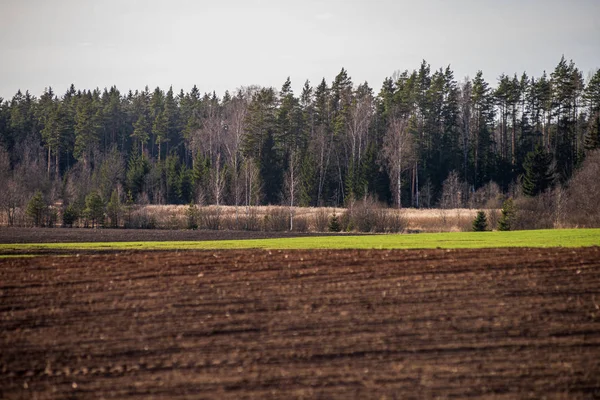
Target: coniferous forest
[402, 143]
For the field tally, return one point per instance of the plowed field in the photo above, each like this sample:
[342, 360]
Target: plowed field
[500, 323]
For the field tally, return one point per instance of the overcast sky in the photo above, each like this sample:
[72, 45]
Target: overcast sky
[225, 44]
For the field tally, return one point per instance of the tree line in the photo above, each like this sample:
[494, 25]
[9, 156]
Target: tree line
[328, 145]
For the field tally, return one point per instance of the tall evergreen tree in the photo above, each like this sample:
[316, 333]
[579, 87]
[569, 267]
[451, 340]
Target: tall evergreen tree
[538, 173]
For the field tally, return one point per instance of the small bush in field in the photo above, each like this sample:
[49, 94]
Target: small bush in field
[534, 212]
[301, 224]
[508, 214]
[52, 217]
[114, 209]
[210, 218]
[94, 208]
[277, 220]
[193, 215]
[321, 220]
[480, 222]
[249, 221]
[70, 215]
[395, 221]
[37, 209]
[334, 224]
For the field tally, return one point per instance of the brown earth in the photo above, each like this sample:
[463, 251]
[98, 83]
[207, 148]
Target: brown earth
[505, 323]
[66, 235]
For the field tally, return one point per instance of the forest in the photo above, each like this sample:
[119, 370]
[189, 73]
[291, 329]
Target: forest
[424, 139]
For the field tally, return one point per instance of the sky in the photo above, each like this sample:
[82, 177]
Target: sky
[226, 44]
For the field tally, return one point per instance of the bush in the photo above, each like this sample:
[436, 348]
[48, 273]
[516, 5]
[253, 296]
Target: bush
[140, 219]
[301, 224]
[52, 217]
[70, 215]
[583, 194]
[210, 218]
[369, 216]
[37, 209]
[277, 220]
[114, 209]
[321, 220]
[508, 215]
[193, 216]
[480, 222]
[395, 221]
[249, 221]
[534, 212]
[94, 208]
[334, 224]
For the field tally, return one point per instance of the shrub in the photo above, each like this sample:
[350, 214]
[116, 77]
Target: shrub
[140, 219]
[583, 194]
[52, 217]
[534, 212]
[321, 220]
[301, 224]
[70, 215]
[114, 209]
[210, 218]
[334, 224]
[369, 216]
[508, 215]
[396, 221]
[37, 209]
[277, 220]
[250, 221]
[193, 216]
[480, 222]
[94, 208]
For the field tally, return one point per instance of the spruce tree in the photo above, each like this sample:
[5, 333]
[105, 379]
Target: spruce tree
[334, 224]
[36, 209]
[114, 209]
[538, 175]
[480, 222]
[508, 215]
[94, 208]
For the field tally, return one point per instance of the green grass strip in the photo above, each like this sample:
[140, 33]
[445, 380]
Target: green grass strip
[453, 240]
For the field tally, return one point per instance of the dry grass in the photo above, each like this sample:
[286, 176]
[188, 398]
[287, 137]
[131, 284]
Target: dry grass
[306, 219]
[439, 220]
[311, 219]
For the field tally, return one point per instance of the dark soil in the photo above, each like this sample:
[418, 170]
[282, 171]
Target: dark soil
[65, 235]
[506, 323]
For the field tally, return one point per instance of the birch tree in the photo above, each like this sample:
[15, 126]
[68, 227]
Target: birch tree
[398, 153]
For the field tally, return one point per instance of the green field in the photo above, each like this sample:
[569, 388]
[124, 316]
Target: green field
[457, 240]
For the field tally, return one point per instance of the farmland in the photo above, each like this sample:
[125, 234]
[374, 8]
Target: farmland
[61, 241]
[331, 323]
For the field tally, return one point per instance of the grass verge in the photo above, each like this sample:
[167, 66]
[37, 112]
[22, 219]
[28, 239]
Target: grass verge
[452, 240]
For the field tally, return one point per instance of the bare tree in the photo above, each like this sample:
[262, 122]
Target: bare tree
[292, 184]
[321, 145]
[454, 192]
[218, 180]
[251, 175]
[465, 121]
[398, 153]
[211, 132]
[235, 115]
[359, 120]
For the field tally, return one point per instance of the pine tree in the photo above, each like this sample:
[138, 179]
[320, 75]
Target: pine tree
[592, 135]
[94, 208]
[538, 176]
[87, 128]
[334, 224]
[508, 215]
[114, 209]
[36, 209]
[480, 222]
